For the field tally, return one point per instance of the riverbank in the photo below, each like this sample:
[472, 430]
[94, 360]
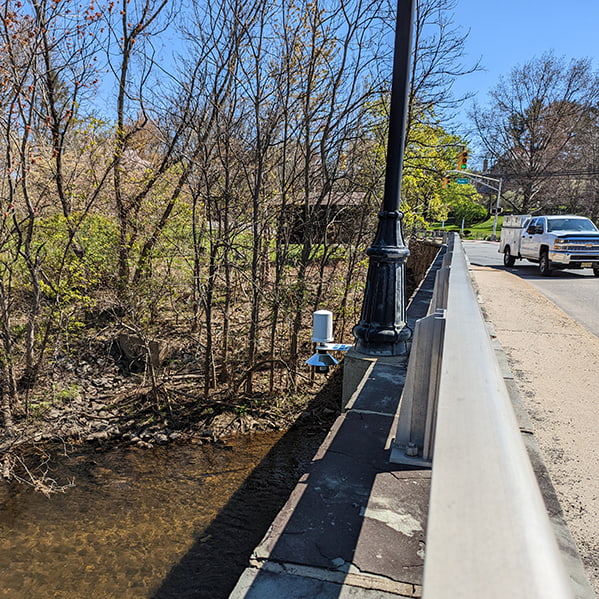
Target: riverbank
[134, 416]
[99, 395]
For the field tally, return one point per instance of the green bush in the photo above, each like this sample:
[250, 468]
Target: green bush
[81, 258]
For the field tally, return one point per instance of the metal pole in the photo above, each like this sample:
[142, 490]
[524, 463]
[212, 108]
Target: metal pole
[382, 328]
[399, 104]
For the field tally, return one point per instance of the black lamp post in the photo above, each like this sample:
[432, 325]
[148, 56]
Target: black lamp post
[382, 329]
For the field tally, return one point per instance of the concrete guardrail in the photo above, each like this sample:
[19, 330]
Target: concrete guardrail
[489, 534]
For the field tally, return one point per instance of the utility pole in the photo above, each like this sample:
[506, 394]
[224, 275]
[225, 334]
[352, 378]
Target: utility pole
[382, 327]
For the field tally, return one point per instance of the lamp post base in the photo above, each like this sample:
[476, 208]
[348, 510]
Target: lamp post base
[382, 330]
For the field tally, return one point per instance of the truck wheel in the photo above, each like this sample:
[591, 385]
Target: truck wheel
[596, 272]
[508, 259]
[544, 264]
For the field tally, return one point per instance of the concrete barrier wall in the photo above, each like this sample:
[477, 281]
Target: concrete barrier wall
[489, 534]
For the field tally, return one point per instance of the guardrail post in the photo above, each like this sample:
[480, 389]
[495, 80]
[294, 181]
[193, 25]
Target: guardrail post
[441, 288]
[414, 440]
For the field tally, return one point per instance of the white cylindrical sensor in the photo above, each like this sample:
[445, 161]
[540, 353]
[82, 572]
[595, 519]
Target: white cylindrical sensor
[322, 326]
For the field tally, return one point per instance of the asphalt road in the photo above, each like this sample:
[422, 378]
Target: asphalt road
[576, 292]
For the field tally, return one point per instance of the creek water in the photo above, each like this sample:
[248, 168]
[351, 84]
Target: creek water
[175, 521]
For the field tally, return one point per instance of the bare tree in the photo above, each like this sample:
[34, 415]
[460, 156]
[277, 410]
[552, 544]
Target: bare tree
[282, 132]
[67, 71]
[48, 65]
[437, 61]
[532, 120]
[574, 187]
[131, 57]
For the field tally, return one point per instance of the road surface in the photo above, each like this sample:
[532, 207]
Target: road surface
[576, 292]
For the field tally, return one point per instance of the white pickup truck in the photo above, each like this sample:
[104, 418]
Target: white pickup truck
[554, 242]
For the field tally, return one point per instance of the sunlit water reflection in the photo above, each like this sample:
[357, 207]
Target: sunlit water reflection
[157, 523]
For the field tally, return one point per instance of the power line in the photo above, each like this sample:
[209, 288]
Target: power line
[546, 174]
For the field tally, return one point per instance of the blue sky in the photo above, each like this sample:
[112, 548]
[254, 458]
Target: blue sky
[511, 32]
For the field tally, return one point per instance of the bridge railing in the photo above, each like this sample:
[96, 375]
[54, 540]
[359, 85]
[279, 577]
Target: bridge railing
[488, 532]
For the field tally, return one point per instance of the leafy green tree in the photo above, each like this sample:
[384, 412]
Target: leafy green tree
[430, 152]
[462, 202]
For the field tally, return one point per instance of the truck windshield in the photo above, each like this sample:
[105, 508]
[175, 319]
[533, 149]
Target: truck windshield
[570, 224]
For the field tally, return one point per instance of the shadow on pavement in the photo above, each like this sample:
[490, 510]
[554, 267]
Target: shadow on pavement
[531, 271]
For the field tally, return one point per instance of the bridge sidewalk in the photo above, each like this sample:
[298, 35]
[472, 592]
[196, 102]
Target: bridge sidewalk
[355, 525]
